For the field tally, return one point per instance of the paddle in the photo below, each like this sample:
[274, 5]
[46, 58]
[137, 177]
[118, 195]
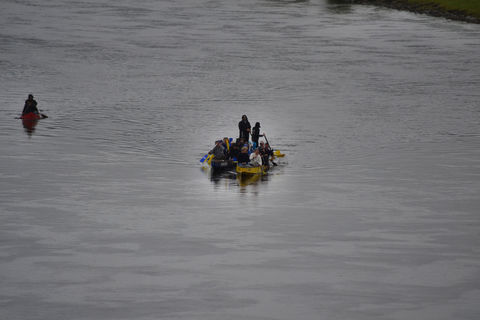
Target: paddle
[42, 116]
[207, 159]
[265, 136]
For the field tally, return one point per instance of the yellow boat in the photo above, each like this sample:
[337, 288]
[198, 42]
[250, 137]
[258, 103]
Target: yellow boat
[247, 174]
[278, 154]
[247, 170]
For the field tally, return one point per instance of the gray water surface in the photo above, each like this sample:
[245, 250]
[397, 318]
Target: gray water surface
[105, 212]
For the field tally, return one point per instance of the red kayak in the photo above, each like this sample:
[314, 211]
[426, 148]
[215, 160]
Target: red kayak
[30, 120]
[30, 116]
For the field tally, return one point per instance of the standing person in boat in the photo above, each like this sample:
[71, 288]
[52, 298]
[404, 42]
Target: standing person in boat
[30, 106]
[243, 157]
[255, 158]
[256, 134]
[244, 127]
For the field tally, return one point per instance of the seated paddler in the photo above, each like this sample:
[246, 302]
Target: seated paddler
[219, 152]
[244, 157]
[256, 158]
[30, 105]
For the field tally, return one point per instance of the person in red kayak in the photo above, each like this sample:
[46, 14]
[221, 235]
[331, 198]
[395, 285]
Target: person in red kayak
[30, 106]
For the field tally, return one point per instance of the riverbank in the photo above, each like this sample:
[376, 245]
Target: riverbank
[466, 10]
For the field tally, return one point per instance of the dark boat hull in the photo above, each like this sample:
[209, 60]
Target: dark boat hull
[222, 165]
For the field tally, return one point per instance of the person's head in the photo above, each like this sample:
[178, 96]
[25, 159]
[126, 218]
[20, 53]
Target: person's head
[257, 125]
[257, 151]
[244, 118]
[218, 142]
[262, 144]
[225, 139]
[30, 97]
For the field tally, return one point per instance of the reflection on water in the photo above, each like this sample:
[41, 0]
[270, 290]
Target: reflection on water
[29, 126]
[230, 179]
[218, 177]
[244, 181]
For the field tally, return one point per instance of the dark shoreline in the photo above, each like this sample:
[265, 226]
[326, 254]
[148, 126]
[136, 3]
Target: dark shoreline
[429, 9]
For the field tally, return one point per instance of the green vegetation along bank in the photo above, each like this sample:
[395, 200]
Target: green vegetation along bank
[464, 10]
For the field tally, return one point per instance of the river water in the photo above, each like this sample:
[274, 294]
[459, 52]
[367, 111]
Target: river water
[105, 212]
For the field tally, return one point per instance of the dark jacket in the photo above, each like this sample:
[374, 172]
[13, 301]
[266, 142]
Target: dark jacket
[234, 151]
[30, 106]
[243, 158]
[256, 134]
[266, 153]
[218, 152]
[243, 126]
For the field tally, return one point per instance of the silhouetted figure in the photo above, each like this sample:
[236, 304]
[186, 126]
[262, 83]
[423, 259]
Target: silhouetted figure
[244, 127]
[256, 134]
[244, 157]
[30, 106]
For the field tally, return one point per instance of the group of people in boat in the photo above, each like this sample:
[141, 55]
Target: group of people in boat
[255, 153]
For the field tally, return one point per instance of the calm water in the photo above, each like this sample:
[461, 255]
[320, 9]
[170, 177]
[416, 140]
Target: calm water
[106, 214]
